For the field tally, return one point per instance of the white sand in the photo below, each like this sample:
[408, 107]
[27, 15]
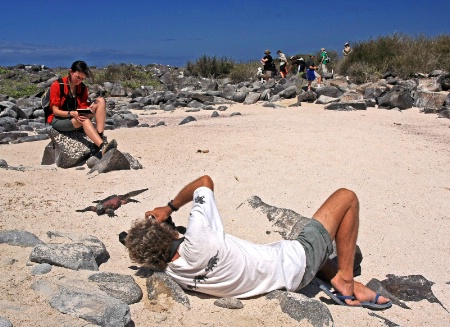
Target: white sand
[397, 162]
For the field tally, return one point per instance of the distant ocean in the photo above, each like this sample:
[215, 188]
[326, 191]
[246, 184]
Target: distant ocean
[95, 59]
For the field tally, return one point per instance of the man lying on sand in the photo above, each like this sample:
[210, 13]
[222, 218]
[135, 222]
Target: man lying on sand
[209, 261]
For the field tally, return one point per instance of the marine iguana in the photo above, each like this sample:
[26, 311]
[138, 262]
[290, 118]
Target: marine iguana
[111, 203]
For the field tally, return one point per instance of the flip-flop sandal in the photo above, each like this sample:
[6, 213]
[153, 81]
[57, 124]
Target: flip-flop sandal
[376, 306]
[338, 297]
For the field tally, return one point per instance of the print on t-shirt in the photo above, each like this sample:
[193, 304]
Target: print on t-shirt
[209, 267]
[212, 262]
[200, 199]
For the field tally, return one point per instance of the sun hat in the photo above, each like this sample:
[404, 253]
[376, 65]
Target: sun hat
[267, 51]
[323, 49]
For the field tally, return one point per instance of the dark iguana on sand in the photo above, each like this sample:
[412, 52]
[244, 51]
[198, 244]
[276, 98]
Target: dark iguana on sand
[111, 203]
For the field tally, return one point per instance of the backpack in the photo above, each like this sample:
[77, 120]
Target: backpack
[45, 99]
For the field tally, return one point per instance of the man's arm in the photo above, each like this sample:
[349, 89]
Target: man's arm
[183, 197]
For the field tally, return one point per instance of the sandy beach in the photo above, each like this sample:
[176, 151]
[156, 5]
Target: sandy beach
[291, 157]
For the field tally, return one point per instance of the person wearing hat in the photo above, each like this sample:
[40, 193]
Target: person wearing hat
[323, 60]
[269, 65]
[311, 72]
[283, 64]
[347, 50]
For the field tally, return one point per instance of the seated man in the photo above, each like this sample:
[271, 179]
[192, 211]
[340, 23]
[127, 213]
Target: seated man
[209, 261]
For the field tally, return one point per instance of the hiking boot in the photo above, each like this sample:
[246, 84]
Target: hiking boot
[104, 138]
[94, 150]
[105, 147]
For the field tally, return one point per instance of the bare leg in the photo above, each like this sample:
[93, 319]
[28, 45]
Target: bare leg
[340, 216]
[92, 133]
[99, 108]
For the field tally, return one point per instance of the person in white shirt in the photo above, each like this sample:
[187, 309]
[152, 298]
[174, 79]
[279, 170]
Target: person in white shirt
[209, 261]
[347, 50]
[283, 64]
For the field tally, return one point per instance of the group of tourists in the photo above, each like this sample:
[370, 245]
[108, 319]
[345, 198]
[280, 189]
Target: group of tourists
[307, 68]
[269, 69]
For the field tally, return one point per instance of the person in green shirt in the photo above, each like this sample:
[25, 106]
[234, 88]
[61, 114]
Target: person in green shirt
[323, 60]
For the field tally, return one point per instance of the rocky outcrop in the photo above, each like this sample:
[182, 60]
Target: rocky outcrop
[160, 285]
[78, 298]
[25, 115]
[99, 298]
[121, 287]
[19, 238]
[67, 149]
[303, 308]
[71, 256]
[398, 97]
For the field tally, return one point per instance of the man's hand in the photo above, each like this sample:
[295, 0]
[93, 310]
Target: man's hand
[183, 197]
[159, 213]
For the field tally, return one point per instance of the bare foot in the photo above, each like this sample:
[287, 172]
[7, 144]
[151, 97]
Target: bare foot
[345, 287]
[365, 294]
[358, 290]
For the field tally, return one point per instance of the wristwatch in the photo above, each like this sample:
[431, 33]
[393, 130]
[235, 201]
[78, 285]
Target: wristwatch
[69, 113]
[171, 206]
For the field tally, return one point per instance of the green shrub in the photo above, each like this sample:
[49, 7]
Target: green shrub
[18, 86]
[18, 89]
[244, 71]
[405, 55]
[362, 72]
[130, 76]
[210, 67]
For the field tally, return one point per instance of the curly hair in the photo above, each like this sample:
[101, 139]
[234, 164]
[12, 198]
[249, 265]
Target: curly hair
[148, 243]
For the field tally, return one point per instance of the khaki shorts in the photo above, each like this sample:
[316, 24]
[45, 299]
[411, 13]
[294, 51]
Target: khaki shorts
[318, 247]
[268, 73]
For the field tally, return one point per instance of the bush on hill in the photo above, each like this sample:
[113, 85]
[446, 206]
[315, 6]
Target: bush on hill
[132, 76]
[244, 71]
[19, 85]
[405, 55]
[213, 67]
[210, 67]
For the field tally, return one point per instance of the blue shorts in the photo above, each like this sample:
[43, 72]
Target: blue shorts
[318, 247]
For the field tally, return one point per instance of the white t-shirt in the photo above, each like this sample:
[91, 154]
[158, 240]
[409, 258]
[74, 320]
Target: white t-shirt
[222, 265]
[283, 59]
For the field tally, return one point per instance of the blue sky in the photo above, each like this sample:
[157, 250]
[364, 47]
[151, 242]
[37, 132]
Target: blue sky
[56, 33]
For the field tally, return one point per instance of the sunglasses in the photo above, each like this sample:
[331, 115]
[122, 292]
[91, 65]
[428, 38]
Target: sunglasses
[78, 77]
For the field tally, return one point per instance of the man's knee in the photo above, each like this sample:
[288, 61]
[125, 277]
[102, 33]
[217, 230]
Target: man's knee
[347, 196]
